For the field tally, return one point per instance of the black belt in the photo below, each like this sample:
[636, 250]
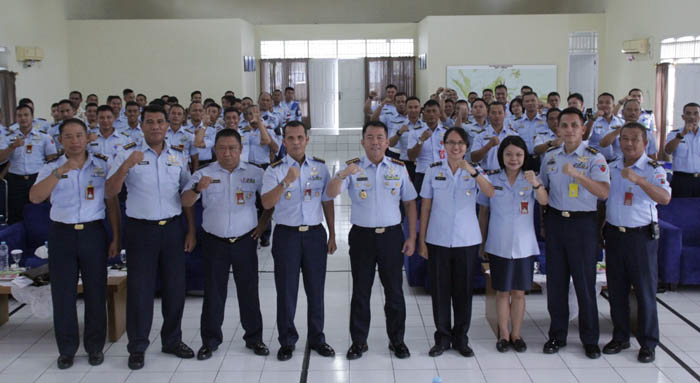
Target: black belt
[570, 214]
[161, 222]
[230, 240]
[378, 230]
[23, 176]
[301, 228]
[623, 229]
[686, 175]
[78, 226]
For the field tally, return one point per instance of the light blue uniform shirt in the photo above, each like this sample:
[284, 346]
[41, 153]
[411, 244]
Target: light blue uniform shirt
[600, 128]
[134, 134]
[646, 118]
[229, 201]
[513, 122]
[294, 110]
[258, 154]
[641, 209]
[300, 204]
[282, 113]
[527, 129]
[543, 136]
[617, 149]
[389, 110]
[402, 145]
[108, 146]
[433, 148]
[270, 119]
[154, 184]
[511, 231]
[54, 132]
[30, 158]
[183, 139]
[490, 161]
[383, 187]
[205, 153]
[449, 122]
[245, 138]
[453, 221]
[120, 123]
[686, 157]
[584, 159]
[79, 194]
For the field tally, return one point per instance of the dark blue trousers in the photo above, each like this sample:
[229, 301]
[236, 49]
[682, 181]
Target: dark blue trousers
[295, 251]
[71, 252]
[571, 248]
[152, 251]
[218, 256]
[684, 185]
[631, 261]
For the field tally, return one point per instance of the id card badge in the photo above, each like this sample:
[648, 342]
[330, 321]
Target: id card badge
[628, 198]
[442, 154]
[90, 192]
[524, 207]
[29, 148]
[240, 197]
[573, 190]
[307, 194]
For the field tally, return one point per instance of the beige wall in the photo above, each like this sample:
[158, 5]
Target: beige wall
[510, 39]
[159, 56]
[37, 23]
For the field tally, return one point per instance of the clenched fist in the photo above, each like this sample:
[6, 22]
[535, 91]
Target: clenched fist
[292, 175]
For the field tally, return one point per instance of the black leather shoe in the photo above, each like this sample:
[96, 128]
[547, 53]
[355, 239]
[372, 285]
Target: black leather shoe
[553, 345]
[646, 355]
[205, 352]
[465, 351]
[438, 349]
[518, 345]
[180, 350]
[502, 345]
[400, 350]
[96, 358]
[324, 349]
[592, 351]
[259, 348]
[355, 351]
[614, 347]
[64, 361]
[136, 361]
[285, 353]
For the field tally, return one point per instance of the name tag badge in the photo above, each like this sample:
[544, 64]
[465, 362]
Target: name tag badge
[524, 207]
[143, 163]
[307, 195]
[442, 154]
[215, 181]
[90, 192]
[628, 198]
[573, 190]
[29, 148]
[240, 197]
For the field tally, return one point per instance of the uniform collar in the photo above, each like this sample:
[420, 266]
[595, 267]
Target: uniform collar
[366, 163]
[641, 163]
[145, 147]
[291, 161]
[242, 165]
[537, 117]
[114, 133]
[579, 151]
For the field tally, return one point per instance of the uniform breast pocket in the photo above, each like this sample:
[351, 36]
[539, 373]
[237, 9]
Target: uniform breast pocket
[682, 149]
[173, 174]
[249, 191]
[63, 194]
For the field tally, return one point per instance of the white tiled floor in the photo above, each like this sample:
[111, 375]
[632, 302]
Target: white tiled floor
[28, 351]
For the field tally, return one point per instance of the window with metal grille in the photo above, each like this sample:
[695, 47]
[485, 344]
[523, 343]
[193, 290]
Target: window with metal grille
[682, 50]
[583, 42]
[294, 49]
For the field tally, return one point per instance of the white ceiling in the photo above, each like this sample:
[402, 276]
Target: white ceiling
[318, 11]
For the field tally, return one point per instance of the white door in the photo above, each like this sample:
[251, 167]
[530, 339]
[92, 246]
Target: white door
[351, 78]
[583, 78]
[323, 94]
[683, 88]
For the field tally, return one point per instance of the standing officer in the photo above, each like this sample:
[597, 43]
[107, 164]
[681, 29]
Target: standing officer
[425, 144]
[75, 183]
[376, 184]
[637, 184]
[181, 137]
[228, 188]
[27, 149]
[107, 141]
[576, 176]
[154, 174]
[684, 145]
[132, 128]
[295, 187]
[485, 150]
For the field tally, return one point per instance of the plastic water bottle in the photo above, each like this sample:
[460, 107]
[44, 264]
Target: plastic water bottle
[4, 256]
[437, 379]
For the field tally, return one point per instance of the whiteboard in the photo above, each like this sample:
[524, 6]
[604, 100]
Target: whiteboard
[686, 90]
[468, 78]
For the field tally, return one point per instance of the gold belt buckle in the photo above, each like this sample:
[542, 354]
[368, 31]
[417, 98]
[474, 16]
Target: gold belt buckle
[304, 228]
[162, 222]
[696, 175]
[380, 230]
[622, 229]
[565, 214]
[79, 226]
[233, 240]
[26, 177]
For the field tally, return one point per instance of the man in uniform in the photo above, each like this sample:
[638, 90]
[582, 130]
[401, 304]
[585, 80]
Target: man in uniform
[115, 102]
[396, 123]
[154, 174]
[646, 117]
[401, 128]
[65, 112]
[228, 188]
[91, 118]
[485, 150]
[602, 123]
[74, 183]
[425, 144]
[295, 187]
[637, 184]
[478, 125]
[377, 185]
[576, 176]
[181, 137]
[684, 145]
[290, 104]
[26, 149]
[76, 98]
[532, 122]
[107, 141]
[133, 128]
[631, 111]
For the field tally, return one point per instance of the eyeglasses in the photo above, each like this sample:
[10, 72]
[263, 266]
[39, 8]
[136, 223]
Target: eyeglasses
[455, 143]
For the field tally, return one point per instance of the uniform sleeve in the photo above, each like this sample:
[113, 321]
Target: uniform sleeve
[659, 179]
[483, 200]
[544, 176]
[193, 180]
[672, 135]
[412, 138]
[4, 142]
[45, 171]
[184, 173]
[539, 140]
[651, 145]
[115, 164]
[426, 190]
[326, 180]
[49, 146]
[483, 174]
[599, 170]
[346, 182]
[269, 180]
[408, 192]
[478, 142]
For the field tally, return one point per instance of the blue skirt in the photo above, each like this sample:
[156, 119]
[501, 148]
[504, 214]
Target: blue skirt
[511, 274]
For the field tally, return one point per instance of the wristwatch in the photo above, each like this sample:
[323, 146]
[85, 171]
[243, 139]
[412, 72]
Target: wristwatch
[476, 174]
[679, 136]
[195, 188]
[284, 185]
[55, 174]
[420, 142]
[537, 187]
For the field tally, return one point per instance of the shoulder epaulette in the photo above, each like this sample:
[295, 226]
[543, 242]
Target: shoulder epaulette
[399, 162]
[552, 148]
[9, 133]
[479, 131]
[254, 164]
[352, 161]
[648, 111]
[592, 149]
[176, 148]
[434, 164]
[321, 160]
[125, 134]
[474, 165]
[129, 145]
[50, 160]
[100, 156]
[189, 130]
[675, 130]
[654, 163]
[41, 119]
[492, 172]
[275, 164]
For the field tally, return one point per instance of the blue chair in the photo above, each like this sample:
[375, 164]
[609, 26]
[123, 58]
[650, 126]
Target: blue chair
[681, 215]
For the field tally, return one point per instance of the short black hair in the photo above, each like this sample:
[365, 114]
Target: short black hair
[172, 100]
[530, 93]
[462, 134]
[152, 108]
[487, 90]
[495, 103]
[105, 108]
[25, 101]
[449, 100]
[401, 94]
[158, 101]
[515, 101]
[479, 99]
[66, 101]
[248, 98]
[76, 92]
[54, 105]
[691, 105]
[525, 87]
[71, 121]
[173, 106]
[553, 94]
[412, 98]
[430, 103]
[127, 91]
[229, 99]
[472, 92]
[228, 133]
[295, 124]
[634, 90]
[132, 103]
[286, 89]
[112, 97]
[91, 94]
[515, 141]
[214, 105]
[572, 111]
[552, 110]
[499, 86]
[90, 105]
[636, 125]
[606, 94]
[577, 96]
[195, 92]
[390, 86]
[230, 110]
[141, 95]
[24, 106]
[376, 124]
